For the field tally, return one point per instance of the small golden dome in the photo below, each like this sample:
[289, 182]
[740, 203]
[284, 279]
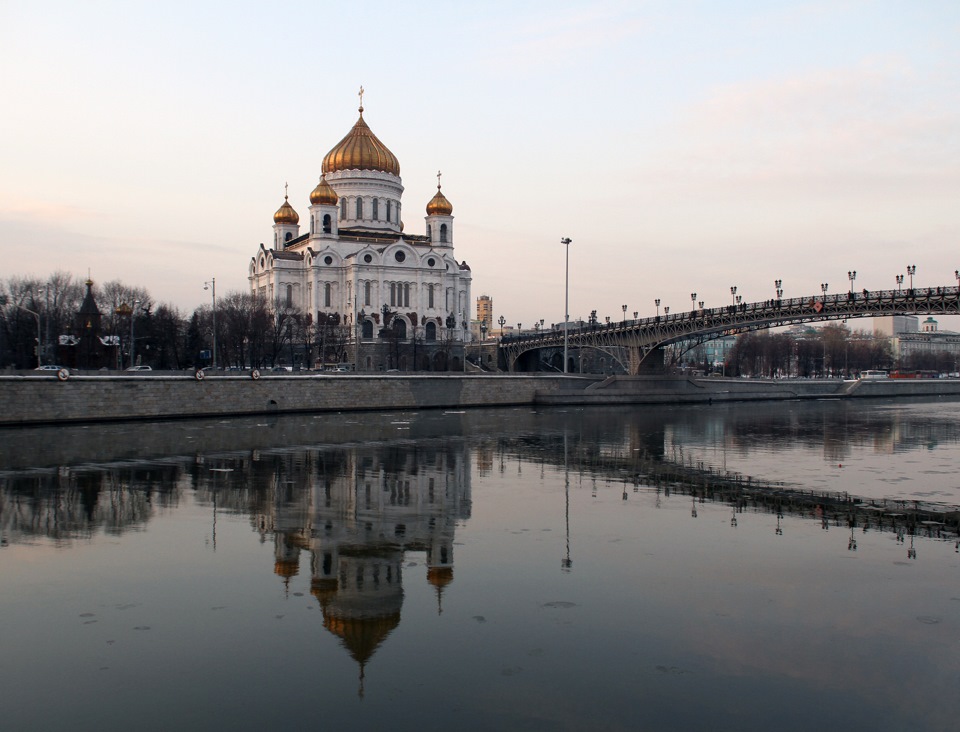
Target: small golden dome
[439, 205]
[361, 150]
[323, 194]
[285, 214]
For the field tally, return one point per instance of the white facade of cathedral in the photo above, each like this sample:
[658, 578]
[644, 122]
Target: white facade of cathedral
[354, 259]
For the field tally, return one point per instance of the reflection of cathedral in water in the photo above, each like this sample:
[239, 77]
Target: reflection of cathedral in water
[356, 514]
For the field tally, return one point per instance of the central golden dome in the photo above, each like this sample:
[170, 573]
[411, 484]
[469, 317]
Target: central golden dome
[361, 150]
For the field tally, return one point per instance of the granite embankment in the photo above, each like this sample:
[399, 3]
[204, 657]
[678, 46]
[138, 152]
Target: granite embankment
[43, 399]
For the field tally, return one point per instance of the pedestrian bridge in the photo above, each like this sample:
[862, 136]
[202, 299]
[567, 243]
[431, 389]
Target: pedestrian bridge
[642, 339]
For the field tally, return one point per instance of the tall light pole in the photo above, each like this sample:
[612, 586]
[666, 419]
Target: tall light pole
[852, 276]
[566, 302]
[911, 270]
[899, 283]
[37, 316]
[133, 342]
[824, 286]
[501, 320]
[657, 303]
[624, 313]
[733, 294]
[212, 285]
[693, 300]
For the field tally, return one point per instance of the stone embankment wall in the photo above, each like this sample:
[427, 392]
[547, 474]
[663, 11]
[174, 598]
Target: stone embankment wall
[36, 399]
[33, 399]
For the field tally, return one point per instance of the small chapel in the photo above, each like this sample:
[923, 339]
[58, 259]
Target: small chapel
[400, 300]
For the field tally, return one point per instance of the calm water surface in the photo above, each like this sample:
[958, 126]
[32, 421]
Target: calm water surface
[790, 566]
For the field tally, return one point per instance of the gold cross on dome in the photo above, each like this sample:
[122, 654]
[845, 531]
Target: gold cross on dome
[438, 180]
[361, 98]
[286, 187]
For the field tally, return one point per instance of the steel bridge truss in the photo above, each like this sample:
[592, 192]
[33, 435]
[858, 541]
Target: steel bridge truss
[640, 338]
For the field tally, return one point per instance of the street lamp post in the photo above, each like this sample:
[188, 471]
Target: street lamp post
[37, 316]
[133, 341]
[824, 286]
[693, 300]
[899, 282]
[852, 276]
[657, 303]
[501, 320]
[911, 270]
[666, 309]
[733, 294]
[778, 287]
[566, 302]
[212, 285]
[624, 313]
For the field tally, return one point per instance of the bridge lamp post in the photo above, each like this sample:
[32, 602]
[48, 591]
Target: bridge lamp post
[657, 303]
[636, 314]
[693, 300]
[666, 309]
[852, 276]
[778, 286]
[624, 313]
[956, 273]
[899, 283]
[911, 270]
[700, 303]
[566, 301]
[501, 320]
[733, 294]
[738, 300]
[824, 286]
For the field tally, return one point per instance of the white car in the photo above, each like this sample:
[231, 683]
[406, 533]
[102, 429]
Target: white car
[49, 367]
[139, 368]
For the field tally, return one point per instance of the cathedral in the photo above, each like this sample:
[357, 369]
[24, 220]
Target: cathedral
[400, 300]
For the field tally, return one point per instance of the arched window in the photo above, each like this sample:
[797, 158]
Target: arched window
[289, 296]
[388, 212]
[288, 236]
[326, 294]
[327, 224]
[400, 327]
[343, 208]
[431, 331]
[443, 233]
[359, 208]
[366, 293]
[367, 328]
[376, 209]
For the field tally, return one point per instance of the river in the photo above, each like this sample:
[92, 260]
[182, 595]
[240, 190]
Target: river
[789, 565]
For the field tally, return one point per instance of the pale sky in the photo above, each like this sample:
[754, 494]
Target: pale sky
[682, 146]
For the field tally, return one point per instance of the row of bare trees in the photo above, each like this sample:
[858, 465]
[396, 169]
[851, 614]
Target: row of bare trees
[35, 314]
[833, 350]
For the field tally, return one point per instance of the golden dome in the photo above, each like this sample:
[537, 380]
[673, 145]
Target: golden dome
[285, 214]
[361, 150]
[323, 194]
[439, 205]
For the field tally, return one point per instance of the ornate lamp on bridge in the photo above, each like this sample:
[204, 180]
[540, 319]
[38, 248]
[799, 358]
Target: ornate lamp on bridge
[911, 270]
[624, 313]
[666, 309]
[693, 300]
[899, 283]
[956, 273]
[657, 303]
[501, 320]
[778, 287]
[852, 276]
[824, 286]
[733, 294]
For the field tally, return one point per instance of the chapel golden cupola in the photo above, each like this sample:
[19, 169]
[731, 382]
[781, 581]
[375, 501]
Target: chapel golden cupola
[285, 214]
[440, 218]
[323, 194]
[286, 223]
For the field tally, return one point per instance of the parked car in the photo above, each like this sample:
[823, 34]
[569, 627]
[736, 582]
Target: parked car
[139, 368]
[50, 367]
